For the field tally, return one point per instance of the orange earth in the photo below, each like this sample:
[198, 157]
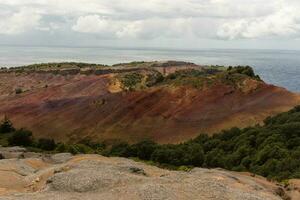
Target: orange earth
[73, 107]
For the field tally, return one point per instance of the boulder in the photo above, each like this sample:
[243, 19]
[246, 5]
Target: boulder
[12, 152]
[61, 157]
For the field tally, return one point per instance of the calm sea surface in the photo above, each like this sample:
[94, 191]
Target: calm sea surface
[279, 67]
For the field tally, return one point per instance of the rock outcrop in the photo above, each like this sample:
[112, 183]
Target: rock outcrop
[94, 177]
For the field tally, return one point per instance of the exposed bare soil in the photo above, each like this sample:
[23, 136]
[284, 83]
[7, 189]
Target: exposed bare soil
[73, 107]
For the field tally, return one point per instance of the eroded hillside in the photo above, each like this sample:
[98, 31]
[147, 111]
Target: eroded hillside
[166, 102]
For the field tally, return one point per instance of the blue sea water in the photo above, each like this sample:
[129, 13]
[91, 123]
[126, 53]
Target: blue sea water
[278, 67]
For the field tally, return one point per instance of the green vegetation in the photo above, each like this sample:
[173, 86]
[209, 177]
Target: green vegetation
[21, 137]
[63, 68]
[6, 126]
[189, 77]
[245, 70]
[208, 76]
[154, 78]
[272, 150]
[46, 144]
[64, 65]
[18, 90]
[74, 148]
[131, 80]
[131, 64]
[9, 136]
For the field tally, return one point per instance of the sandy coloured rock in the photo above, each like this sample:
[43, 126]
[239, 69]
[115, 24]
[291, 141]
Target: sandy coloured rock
[95, 177]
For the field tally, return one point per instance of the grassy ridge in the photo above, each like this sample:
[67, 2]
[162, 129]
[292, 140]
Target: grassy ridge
[203, 78]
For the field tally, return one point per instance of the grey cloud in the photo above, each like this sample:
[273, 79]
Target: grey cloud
[159, 20]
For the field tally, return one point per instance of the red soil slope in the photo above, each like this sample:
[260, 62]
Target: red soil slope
[73, 107]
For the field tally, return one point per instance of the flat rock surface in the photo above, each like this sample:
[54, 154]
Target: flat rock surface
[94, 177]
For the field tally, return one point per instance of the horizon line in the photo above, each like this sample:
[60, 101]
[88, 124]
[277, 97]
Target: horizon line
[143, 47]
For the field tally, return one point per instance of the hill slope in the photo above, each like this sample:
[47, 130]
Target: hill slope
[136, 101]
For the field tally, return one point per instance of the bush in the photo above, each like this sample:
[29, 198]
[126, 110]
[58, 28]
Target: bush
[97, 147]
[154, 79]
[46, 144]
[80, 149]
[61, 147]
[18, 90]
[131, 80]
[74, 148]
[143, 150]
[245, 70]
[193, 155]
[121, 149]
[6, 126]
[21, 137]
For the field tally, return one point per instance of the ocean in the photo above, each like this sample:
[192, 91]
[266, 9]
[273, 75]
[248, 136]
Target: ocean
[278, 67]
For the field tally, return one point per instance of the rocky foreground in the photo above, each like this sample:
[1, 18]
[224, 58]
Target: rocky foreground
[30, 176]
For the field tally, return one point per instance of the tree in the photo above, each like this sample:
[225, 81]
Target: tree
[215, 158]
[6, 126]
[193, 155]
[145, 149]
[160, 155]
[120, 149]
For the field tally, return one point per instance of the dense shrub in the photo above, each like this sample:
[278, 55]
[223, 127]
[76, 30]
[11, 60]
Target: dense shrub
[46, 144]
[143, 149]
[179, 154]
[97, 147]
[6, 126]
[61, 147]
[272, 150]
[18, 90]
[21, 137]
[131, 80]
[185, 73]
[154, 79]
[79, 149]
[74, 148]
[246, 70]
[121, 149]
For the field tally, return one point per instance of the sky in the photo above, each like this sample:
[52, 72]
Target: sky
[186, 24]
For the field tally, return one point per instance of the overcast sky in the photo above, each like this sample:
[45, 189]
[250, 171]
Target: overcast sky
[264, 24]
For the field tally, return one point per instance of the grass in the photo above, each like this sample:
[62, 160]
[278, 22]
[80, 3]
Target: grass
[53, 67]
[4, 139]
